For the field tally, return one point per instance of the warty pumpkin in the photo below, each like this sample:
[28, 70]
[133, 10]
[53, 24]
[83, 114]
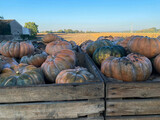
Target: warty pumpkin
[21, 75]
[56, 46]
[134, 67]
[16, 49]
[97, 44]
[77, 75]
[149, 47]
[54, 64]
[102, 53]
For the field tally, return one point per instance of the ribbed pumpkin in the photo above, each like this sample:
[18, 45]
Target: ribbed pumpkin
[85, 44]
[156, 63]
[77, 75]
[134, 67]
[54, 64]
[50, 37]
[124, 43]
[21, 75]
[36, 59]
[7, 62]
[97, 44]
[146, 46]
[102, 53]
[56, 46]
[16, 49]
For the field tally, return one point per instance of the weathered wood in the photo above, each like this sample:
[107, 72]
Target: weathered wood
[151, 117]
[132, 107]
[130, 90]
[50, 110]
[51, 92]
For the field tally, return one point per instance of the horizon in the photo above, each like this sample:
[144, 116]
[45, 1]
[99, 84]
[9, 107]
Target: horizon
[90, 15]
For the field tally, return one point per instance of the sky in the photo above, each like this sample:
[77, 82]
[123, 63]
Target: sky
[86, 15]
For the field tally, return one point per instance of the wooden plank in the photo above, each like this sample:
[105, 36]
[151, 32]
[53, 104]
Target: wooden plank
[50, 110]
[132, 107]
[151, 117]
[51, 92]
[129, 90]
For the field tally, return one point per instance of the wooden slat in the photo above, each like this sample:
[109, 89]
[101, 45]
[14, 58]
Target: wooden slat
[50, 110]
[132, 107]
[51, 93]
[129, 90]
[151, 117]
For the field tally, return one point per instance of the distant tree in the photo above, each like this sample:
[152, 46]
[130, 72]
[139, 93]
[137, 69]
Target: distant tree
[1, 17]
[60, 31]
[33, 27]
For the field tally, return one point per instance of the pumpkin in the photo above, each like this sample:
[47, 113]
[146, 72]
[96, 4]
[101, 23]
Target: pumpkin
[7, 62]
[124, 43]
[105, 37]
[21, 75]
[85, 44]
[133, 67]
[118, 40]
[97, 44]
[77, 75]
[156, 63]
[102, 53]
[16, 49]
[39, 45]
[54, 64]
[50, 37]
[36, 59]
[56, 46]
[149, 47]
[74, 45]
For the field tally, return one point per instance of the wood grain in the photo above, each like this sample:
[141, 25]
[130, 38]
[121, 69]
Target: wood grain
[129, 90]
[51, 93]
[51, 110]
[150, 117]
[132, 107]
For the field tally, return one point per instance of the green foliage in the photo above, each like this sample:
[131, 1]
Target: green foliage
[33, 27]
[67, 31]
[150, 30]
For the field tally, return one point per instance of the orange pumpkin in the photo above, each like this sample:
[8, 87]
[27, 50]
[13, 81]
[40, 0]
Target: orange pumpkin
[7, 62]
[35, 59]
[146, 46]
[50, 37]
[16, 49]
[134, 67]
[21, 75]
[56, 46]
[54, 64]
[156, 63]
[77, 75]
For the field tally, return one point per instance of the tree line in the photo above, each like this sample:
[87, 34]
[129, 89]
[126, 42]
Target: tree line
[67, 31]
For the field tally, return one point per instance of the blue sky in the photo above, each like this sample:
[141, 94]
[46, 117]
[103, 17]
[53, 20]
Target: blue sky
[94, 15]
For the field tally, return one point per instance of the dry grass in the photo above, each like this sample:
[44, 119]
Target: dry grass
[81, 37]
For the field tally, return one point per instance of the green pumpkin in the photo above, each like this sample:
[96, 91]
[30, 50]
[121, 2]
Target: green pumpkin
[97, 44]
[102, 53]
[21, 75]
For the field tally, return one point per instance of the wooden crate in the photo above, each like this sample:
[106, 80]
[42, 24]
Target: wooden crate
[131, 100]
[79, 101]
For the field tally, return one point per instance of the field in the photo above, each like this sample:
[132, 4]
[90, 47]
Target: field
[81, 37]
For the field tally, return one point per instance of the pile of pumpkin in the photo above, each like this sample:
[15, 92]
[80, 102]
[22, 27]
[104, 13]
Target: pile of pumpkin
[52, 60]
[128, 59]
